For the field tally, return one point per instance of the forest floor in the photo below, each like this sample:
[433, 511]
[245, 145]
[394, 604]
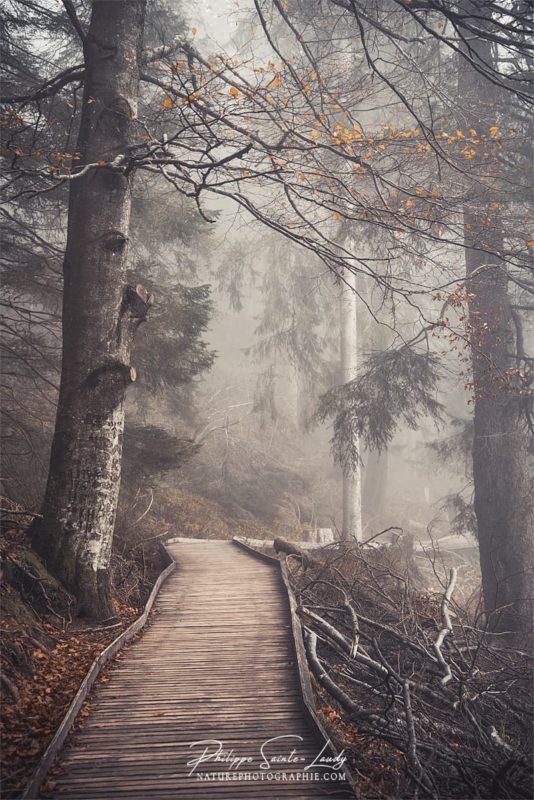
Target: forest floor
[46, 653]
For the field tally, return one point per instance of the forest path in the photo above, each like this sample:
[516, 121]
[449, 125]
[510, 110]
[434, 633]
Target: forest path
[216, 663]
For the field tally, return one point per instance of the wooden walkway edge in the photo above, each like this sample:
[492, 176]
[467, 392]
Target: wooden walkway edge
[31, 790]
[300, 651]
[213, 702]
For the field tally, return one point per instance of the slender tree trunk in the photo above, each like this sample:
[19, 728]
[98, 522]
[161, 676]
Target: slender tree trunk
[375, 472]
[100, 315]
[352, 495]
[304, 399]
[502, 485]
[374, 481]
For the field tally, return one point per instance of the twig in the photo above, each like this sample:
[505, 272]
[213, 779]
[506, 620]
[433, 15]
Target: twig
[150, 539]
[106, 627]
[147, 509]
[386, 530]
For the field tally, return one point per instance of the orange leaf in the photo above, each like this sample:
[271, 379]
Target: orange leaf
[276, 81]
[167, 103]
[233, 91]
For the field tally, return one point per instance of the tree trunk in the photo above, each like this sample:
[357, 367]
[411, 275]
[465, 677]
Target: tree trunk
[375, 472]
[503, 494]
[503, 499]
[100, 315]
[502, 486]
[352, 502]
[375, 482]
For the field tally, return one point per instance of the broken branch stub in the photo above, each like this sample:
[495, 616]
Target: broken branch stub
[137, 301]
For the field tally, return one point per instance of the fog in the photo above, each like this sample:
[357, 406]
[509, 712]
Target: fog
[267, 398]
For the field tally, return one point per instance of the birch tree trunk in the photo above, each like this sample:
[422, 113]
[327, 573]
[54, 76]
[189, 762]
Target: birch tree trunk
[352, 503]
[100, 316]
[502, 485]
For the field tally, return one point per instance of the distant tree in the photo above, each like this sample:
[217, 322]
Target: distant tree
[150, 451]
[351, 527]
[171, 251]
[391, 388]
[291, 336]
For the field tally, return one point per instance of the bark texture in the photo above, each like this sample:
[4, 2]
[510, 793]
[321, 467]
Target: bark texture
[502, 484]
[100, 316]
[503, 487]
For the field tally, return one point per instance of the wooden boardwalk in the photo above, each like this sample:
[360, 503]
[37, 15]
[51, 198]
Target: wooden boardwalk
[217, 663]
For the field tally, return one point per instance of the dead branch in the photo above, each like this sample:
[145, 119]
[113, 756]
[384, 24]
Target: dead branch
[447, 626]
[325, 680]
[392, 687]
